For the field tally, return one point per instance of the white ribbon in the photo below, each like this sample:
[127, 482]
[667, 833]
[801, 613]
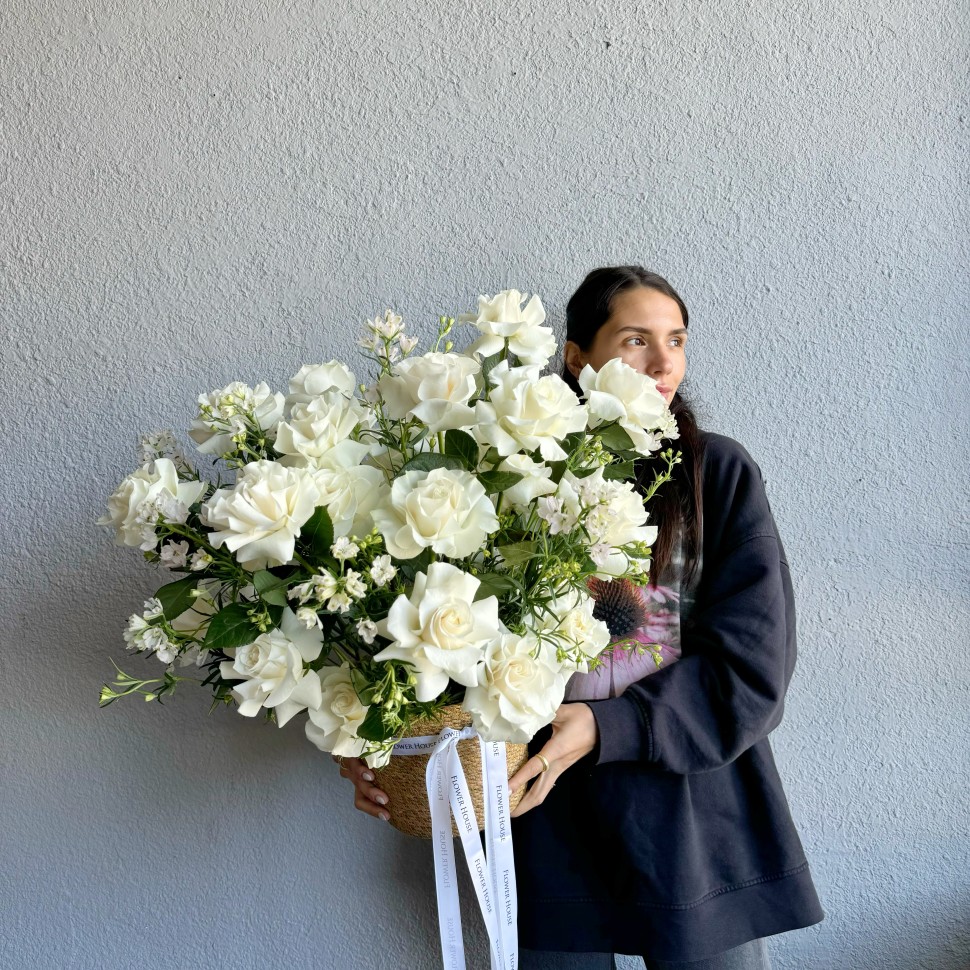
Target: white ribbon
[493, 877]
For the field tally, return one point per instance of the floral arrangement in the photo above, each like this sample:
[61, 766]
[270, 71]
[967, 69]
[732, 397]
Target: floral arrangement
[381, 551]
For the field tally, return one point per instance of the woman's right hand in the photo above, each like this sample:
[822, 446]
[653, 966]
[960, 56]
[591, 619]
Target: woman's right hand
[368, 798]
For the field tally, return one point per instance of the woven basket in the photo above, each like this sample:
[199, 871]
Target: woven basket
[402, 778]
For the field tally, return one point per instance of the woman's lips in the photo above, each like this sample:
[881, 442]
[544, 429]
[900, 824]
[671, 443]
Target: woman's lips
[663, 389]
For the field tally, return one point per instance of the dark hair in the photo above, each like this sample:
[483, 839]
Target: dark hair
[677, 505]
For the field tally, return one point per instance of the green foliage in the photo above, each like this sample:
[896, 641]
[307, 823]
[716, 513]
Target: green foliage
[316, 536]
[231, 627]
[272, 589]
[497, 481]
[177, 597]
[461, 445]
[429, 460]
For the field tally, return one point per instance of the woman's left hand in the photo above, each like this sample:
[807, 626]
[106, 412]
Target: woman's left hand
[573, 736]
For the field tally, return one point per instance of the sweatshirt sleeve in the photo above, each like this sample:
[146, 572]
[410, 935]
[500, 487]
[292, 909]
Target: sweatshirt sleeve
[728, 689]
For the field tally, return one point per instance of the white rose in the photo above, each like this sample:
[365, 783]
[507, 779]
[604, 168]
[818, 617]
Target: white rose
[570, 619]
[132, 502]
[502, 318]
[351, 495]
[260, 517]
[445, 509]
[537, 480]
[526, 412]
[222, 413]
[616, 392]
[314, 428]
[519, 691]
[272, 672]
[333, 722]
[316, 380]
[440, 629]
[435, 388]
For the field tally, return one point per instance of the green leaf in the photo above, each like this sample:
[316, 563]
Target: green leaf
[558, 470]
[494, 584]
[461, 445]
[430, 460]
[372, 727]
[177, 597]
[496, 481]
[490, 363]
[271, 588]
[230, 627]
[614, 438]
[517, 553]
[571, 443]
[620, 470]
[317, 532]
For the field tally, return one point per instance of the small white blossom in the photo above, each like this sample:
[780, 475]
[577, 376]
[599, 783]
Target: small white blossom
[367, 630]
[152, 608]
[174, 554]
[200, 560]
[382, 572]
[344, 548]
[389, 327]
[354, 585]
[309, 618]
[339, 603]
[407, 344]
[600, 553]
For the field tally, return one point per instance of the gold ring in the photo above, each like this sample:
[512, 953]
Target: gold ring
[545, 764]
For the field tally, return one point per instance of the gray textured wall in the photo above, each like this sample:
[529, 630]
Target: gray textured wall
[194, 193]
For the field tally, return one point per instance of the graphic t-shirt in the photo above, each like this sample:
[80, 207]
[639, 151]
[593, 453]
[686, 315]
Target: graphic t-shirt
[644, 622]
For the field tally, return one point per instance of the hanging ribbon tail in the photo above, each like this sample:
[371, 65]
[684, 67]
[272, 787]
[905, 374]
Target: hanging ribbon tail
[492, 875]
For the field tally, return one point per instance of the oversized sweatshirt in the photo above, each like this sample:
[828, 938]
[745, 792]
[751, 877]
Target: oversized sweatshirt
[673, 839]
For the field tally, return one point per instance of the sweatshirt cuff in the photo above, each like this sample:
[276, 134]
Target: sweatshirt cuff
[623, 734]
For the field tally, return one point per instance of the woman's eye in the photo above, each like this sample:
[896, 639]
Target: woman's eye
[636, 342]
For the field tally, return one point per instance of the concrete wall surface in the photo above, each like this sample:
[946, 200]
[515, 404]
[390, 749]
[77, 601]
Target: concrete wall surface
[192, 193]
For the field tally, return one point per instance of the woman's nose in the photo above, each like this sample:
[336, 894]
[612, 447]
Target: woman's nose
[658, 364]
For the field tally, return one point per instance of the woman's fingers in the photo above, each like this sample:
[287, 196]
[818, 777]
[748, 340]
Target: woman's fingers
[368, 798]
[531, 769]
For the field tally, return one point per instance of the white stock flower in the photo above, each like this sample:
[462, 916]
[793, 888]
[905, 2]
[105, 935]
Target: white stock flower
[440, 629]
[309, 617]
[520, 687]
[328, 380]
[272, 671]
[382, 571]
[174, 554]
[445, 509]
[200, 560]
[260, 517]
[569, 618]
[343, 548]
[367, 630]
[616, 392]
[334, 720]
[537, 480]
[502, 318]
[526, 412]
[222, 413]
[435, 388]
[135, 501]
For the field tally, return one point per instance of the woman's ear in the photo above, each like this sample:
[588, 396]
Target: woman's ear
[573, 357]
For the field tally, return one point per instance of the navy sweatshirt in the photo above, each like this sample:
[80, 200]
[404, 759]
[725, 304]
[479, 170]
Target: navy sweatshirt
[673, 839]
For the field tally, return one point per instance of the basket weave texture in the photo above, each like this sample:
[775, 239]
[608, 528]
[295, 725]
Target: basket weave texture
[402, 778]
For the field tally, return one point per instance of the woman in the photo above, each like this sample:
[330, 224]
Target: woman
[660, 826]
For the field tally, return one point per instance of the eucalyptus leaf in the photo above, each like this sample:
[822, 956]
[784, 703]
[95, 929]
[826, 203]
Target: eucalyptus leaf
[177, 597]
[230, 627]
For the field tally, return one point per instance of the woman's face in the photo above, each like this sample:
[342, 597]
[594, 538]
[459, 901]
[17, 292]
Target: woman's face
[645, 329]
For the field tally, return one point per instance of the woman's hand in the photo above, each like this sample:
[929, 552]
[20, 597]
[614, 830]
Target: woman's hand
[573, 736]
[367, 796]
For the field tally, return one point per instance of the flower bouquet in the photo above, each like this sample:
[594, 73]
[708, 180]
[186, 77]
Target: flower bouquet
[378, 553]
